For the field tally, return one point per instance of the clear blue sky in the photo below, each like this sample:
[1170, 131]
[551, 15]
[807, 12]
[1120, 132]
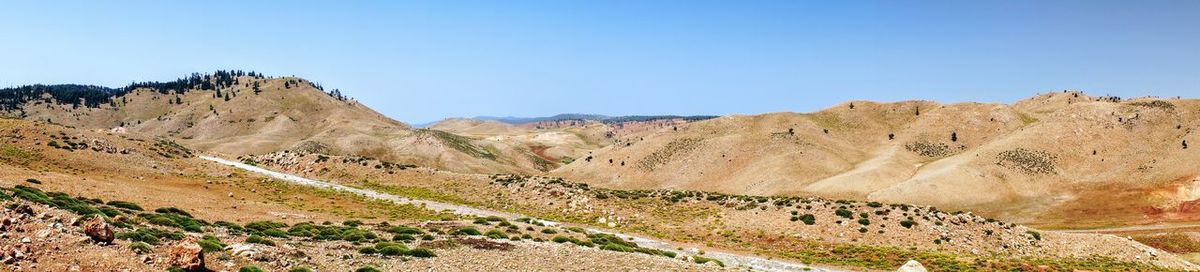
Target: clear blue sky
[422, 61]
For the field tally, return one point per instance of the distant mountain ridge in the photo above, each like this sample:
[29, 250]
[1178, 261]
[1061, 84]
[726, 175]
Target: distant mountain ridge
[592, 117]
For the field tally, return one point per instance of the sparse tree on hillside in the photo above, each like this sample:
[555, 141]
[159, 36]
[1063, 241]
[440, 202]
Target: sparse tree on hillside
[954, 136]
[918, 111]
[852, 105]
[891, 136]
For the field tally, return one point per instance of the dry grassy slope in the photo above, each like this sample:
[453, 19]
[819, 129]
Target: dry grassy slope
[281, 118]
[1139, 173]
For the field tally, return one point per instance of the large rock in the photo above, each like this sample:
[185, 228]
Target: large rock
[912, 266]
[98, 230]
[186, 254]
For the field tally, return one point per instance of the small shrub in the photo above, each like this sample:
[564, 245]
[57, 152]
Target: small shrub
[391, 249]
[703, 260]
[211, 244]
[140, 247]
[844, 213]
[300, 269]
[549, 231]
[421, 253]
[34, 181]
[560, 239]
[1034, 234]
[468, 231]
[808, 219]
[495, 234]
[367, 269]
[908, 224]
[250, 269]
[255, 239]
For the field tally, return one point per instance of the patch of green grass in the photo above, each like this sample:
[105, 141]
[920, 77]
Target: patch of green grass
[125, 205]
[255, 239]
[150, 236]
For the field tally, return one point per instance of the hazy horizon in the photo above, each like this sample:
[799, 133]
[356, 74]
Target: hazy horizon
[420, 62]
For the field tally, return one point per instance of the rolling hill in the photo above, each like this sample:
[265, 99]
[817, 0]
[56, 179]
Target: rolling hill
[238, 113]
[1064, 159]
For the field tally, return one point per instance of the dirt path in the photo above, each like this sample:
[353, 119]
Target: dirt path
[729, 259]
[1132, 228]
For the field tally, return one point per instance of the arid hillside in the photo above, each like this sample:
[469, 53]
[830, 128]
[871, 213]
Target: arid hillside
[1060, 159]
[251, 114]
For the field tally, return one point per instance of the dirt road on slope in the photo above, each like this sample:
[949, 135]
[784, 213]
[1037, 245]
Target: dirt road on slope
[729, 259]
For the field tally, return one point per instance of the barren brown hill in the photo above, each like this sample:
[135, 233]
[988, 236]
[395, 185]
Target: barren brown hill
[1062, 159]
[257, 115]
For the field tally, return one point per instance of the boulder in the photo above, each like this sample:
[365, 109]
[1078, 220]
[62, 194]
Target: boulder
[186, 254]
[98, 230]
[912, 266]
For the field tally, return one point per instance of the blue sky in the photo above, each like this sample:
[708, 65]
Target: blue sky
[419, 61]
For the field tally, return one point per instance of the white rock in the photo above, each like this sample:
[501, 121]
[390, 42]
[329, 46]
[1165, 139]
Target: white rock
[912, 266]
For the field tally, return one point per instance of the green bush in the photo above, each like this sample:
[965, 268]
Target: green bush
[549, 231]
[864, 222]
[149, 235]
[403, 237]
[211, 244]
[172, 210]
[352, 223]
[367, 269]
[33, 180]
[250, 269]
[368, 250]
[808, 219]
[391, 249]
[255, 239]
[277, 233]
[495, 234]
[300, 269]
[1034, 234]
[175, 220]
[560, 239]
[908, 224]
[259, 226]
[844, 213]
[421, 253]
[468, 231]
[703, 260]
[140, 247]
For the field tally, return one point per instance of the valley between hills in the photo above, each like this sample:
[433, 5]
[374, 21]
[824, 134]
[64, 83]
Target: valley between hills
[235, 170]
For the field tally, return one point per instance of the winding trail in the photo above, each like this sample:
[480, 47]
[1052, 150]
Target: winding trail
[729, 259]
[1132, 228]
